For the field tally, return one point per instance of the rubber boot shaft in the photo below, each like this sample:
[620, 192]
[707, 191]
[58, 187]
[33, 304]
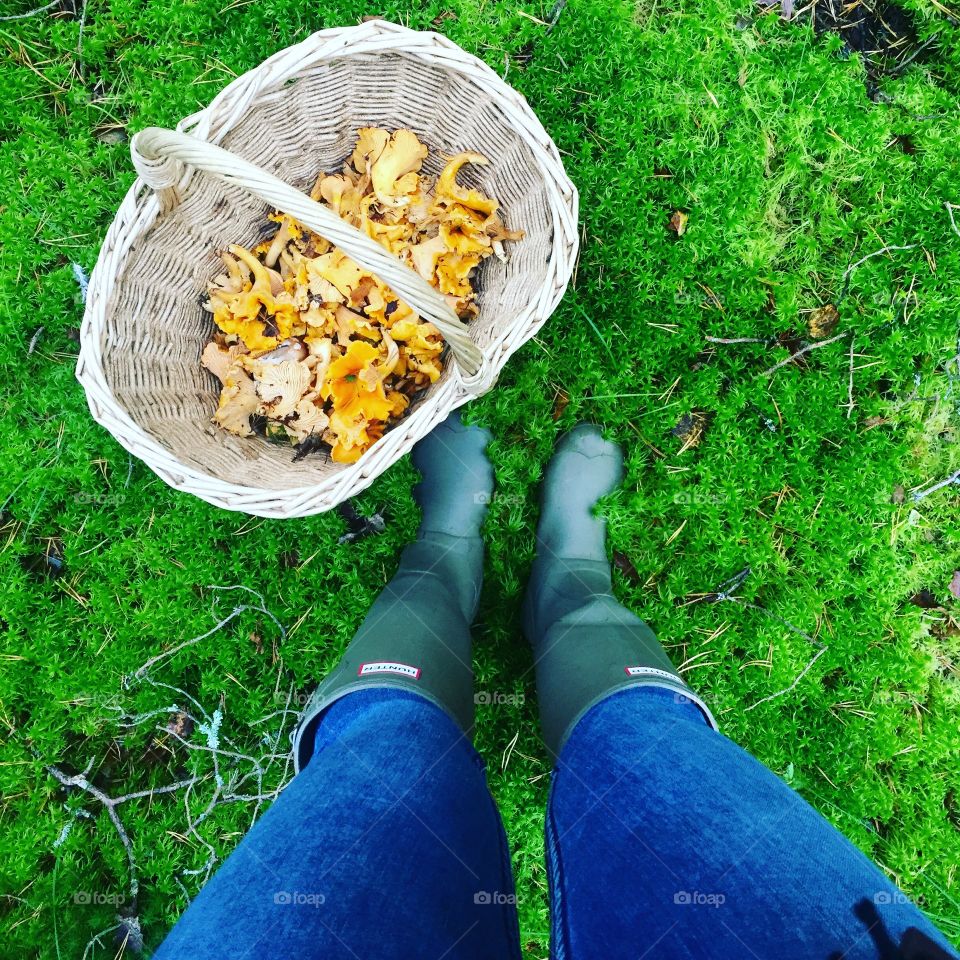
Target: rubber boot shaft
[416, 636]
[586, 645]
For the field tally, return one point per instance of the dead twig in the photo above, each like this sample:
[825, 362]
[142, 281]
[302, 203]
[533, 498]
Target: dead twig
[953, 223]
[238, 777]
[845, 282]
[554, 14]
[110, 804]
[793, 686]
[920, 494]
[32, 13]
[34, 340]
[83, 281]
[96, 940]
[850, 403]
[726, 591]
[83, 22]
[735, 340]
[160, 657]
[803, 350]
[236, 612]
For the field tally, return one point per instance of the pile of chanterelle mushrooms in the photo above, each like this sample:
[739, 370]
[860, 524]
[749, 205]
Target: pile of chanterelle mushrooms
[309, 346]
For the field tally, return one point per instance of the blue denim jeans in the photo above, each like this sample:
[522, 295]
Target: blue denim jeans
[664, 839]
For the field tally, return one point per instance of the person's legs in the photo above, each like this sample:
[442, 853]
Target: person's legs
[664, 836]
[387, 843]
[664, 839]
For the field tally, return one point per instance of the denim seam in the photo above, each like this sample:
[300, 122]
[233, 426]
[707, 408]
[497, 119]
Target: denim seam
[511, 930]
[559, 940]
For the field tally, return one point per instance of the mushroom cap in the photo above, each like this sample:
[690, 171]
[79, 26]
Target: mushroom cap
[280, 385]
[448, 191]
[453, 273]
[238, 402]
[307, 418]
[370, 144]
[393, 173]
[339, 270]
[221, 360]
[464, 230]
[424, 257]
[290, 349]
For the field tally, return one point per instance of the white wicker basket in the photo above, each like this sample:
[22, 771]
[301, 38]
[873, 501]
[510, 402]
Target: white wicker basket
[280, 124]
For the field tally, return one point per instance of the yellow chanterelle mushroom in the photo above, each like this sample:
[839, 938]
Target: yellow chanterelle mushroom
[310, 343]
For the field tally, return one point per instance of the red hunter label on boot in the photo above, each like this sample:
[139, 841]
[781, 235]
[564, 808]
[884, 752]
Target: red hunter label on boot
[389, 666]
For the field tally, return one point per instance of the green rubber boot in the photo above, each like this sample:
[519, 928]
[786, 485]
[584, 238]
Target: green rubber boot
[416, 635]
[586, 645]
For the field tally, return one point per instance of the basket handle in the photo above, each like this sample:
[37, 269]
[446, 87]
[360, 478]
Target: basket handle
[158, 154]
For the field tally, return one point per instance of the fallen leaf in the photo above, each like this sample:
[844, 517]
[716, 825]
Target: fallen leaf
[560, 402]
[358, 525]
[823, 321]
[691, 428]
[678, 222]
[924, 599]
[792, 343]
[180, 725]
[111, 133]
[625, 565]
[954, 586]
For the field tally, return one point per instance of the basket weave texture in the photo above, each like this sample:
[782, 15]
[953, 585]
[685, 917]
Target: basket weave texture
[293, 116]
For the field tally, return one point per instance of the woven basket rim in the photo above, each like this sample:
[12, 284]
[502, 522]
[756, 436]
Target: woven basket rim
[141, 209]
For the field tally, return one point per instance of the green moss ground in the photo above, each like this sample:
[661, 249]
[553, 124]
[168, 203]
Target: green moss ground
[789, 173]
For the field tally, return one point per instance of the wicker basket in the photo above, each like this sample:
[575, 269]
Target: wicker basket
[291, 117]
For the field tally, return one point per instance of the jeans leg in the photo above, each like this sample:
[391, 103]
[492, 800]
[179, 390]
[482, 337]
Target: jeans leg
[667, 840]
[388, 845]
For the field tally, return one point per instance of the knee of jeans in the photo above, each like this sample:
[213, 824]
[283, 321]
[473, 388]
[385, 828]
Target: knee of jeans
[641, 712]
[377, 716]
